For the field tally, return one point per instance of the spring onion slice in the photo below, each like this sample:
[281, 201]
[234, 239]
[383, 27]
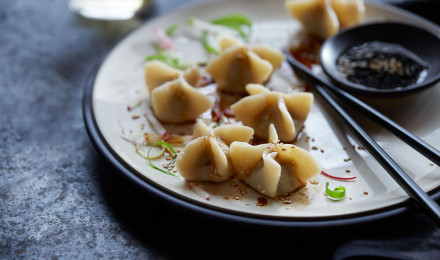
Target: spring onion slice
[151, 156]
[212, 28]
[171, 29]
[167, 58]
[165, 42]
[199, 191]
[238, 22]
[337, 194]
[208, 43]
[167, 145]
[233, 18]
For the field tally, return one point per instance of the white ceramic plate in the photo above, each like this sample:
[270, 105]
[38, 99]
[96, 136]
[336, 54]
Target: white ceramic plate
[119, 82]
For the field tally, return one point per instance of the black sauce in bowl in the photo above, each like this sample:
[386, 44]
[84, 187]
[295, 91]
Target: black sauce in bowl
[382, 65]
[420, 41]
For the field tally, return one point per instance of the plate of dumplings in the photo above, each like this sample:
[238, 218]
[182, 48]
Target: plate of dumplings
[199, 107]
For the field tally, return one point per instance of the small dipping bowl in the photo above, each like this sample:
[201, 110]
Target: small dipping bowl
[424, 44]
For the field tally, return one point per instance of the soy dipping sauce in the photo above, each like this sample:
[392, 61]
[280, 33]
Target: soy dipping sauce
[382, 65]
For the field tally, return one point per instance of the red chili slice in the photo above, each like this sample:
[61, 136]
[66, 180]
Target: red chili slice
[338, 178]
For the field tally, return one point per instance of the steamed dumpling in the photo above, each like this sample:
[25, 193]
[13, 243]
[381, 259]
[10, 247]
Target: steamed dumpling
[263, 50]
[264, 107]
[349, 12]
[239, 65]
[316, 16]
[275, 168]
[270, 54]
[178, 102]
[207, 157]
[158, 73]
[225, 42]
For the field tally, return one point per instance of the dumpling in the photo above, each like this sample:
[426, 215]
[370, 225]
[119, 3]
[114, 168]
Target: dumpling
[349, 12]
[316, 16]
[178, 102]
[239, 64]
[158, 73]
[207, 157]
[263, 50]
[270, 54]
[225, 42]
[275, 168]
[264, 107]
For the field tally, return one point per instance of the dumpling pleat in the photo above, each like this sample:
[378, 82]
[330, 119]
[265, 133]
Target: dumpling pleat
[158, 73]
[177, 102]
[236, 67]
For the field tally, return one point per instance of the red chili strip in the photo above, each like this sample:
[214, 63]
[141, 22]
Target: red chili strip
[165, 136]
[338, 178]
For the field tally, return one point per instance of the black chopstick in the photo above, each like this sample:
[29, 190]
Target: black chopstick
[412, 140]
[395, 171]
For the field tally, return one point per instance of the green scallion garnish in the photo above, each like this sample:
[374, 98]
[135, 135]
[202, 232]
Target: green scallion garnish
[233, 18]
[168, 59]
[337, 194]
[170, 30]
[207, 43]
[231, 24]
[238, 22]
[174, 155]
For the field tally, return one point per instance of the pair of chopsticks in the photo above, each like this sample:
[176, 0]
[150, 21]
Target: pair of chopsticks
[329, 91]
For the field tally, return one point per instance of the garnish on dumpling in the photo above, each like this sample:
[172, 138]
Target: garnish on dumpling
[158, 73]
[264, 107]
[275, 168]
[207, 157]
[240, 64]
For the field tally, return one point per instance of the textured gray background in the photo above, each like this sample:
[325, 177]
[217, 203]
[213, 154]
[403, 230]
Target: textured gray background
[60, 199]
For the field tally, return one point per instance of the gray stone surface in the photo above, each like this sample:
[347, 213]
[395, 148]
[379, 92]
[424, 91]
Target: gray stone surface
[60, 199]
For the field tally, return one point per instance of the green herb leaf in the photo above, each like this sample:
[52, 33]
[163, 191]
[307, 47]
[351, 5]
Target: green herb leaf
[337, 194]
[162, 143]
[240, 23]
[171, 29]
[219, 123]
[233, 18]
[208, 45]
[168, 59]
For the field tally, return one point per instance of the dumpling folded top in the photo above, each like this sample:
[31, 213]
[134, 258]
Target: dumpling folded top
[349, 12]
[158, 73]
[264, 107]
[323, 18]
[177, 102]
[207, 157]
[239, 64]
[316, 16]
[275, 168]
